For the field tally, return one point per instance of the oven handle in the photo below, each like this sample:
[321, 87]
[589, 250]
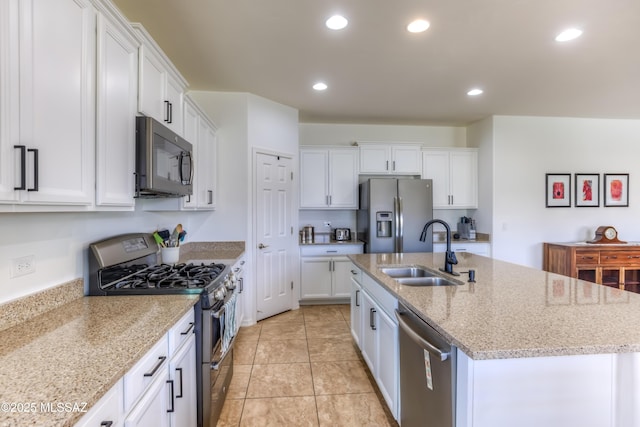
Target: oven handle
[215, 365]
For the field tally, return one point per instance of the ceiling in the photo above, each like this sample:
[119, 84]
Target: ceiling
[377, 72]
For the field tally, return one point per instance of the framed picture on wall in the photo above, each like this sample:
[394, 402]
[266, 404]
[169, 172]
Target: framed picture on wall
[587, 189]
[558, 190]
[616, 189]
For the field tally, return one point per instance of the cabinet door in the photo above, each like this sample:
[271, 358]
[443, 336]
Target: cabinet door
[207, 174]
[191, 125]
[356, 312]
[174, 94]
[57, 99]
[314, 176]
[182, 371]
[387, 376]
[369, 337]
[315, 277]
[153, 83]
[343, 178]
[117, 94]
[107, 410]
[463, 179]
[152, 408]
[405, 159]
[9, 99]
[341, 277]
[374, 159]
[435, 166]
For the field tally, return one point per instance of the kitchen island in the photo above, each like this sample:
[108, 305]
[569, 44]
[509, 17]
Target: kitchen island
[534, 348]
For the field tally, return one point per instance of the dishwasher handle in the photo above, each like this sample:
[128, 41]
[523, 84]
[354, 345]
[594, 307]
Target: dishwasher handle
[420, 340]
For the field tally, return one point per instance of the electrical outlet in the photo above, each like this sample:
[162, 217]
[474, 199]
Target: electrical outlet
[23, 265]
[327, 224]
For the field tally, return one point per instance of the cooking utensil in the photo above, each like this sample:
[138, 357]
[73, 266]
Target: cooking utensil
[159, 239]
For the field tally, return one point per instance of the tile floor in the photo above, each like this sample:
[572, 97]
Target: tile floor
[301, 368]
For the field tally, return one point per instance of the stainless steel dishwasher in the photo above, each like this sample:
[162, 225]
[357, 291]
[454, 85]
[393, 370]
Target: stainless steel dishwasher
[427, 374]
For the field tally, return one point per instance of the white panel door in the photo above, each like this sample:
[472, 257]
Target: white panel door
[464, 179]
[341, 277]
[315, 277]
[191, 124]
[313, 178]
[405, 159]
[274, 278]
[343, 178]
[435, 166]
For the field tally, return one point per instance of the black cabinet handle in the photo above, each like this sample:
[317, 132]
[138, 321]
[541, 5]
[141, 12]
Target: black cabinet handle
[210, 197]
[23, 167]
[372, 313]
[35, 169]
[161, 360]
[173, 402]
[357, 302]
[170, 113]
[179, 395]
[189, 329]
[241, 285]
[166, 111]
[106, 424]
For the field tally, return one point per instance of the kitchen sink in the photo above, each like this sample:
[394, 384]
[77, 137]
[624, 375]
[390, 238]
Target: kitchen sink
[407, 272]
[416, 276]
[425, 281]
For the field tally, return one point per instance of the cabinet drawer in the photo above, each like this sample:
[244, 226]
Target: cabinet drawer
[181, 332]
[356, 273]
[107, 409]
[342, 249]
[152, 365]
[619, 257]
[387, 302]
[587, 257]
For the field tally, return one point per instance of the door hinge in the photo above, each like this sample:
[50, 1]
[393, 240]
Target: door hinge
[292, 284]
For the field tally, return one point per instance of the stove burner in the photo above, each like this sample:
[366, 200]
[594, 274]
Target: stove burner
[161, 277]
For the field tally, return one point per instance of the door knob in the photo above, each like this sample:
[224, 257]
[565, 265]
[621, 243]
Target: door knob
[261, 246]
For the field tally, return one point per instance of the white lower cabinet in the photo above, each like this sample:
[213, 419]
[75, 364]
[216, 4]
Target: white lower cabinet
[108, 410]
[153, 407]
[326, 276]
[356, 307]
[378, 338]
[478, 248]
[182, 372]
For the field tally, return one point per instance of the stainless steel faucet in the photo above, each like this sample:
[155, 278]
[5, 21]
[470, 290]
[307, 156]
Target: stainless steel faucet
[450, 257]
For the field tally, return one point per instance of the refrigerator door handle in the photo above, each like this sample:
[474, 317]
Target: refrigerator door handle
[396, 228]
[400, 227]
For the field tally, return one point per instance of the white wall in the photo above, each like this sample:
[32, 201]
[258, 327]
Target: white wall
[525, 149]
[346, 134]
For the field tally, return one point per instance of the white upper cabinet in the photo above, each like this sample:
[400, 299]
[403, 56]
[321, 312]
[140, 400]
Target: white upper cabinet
[206, 166]
[455, 177]
[161, 87]
[117, 94]
[389, 159]
[191, 122]
[47, 107]
[329, 178]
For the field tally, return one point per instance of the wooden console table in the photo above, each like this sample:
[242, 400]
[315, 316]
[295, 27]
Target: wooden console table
[615, 265]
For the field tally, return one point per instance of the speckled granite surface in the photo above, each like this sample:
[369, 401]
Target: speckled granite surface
[224, 252]
[15, 312]
[75, 353]
[514, 311]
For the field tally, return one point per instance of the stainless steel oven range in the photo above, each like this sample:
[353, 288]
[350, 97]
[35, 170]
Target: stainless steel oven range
[127, 265]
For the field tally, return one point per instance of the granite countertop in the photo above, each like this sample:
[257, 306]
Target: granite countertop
[514, 311]
[75, 353]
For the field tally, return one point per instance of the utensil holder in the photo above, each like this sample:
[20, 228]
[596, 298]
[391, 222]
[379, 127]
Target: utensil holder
[170, 255]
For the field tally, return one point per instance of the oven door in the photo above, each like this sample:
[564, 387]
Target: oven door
[217, 361]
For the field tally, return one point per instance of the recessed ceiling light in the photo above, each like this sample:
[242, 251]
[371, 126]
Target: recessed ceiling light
[320, 86]
[569, 34]
[475, 92]
[418, 26]
[336, 22]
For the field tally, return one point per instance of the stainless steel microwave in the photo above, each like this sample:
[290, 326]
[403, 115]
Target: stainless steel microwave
[164, 161]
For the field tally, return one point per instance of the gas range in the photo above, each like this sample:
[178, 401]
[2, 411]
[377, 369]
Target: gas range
[127, 265]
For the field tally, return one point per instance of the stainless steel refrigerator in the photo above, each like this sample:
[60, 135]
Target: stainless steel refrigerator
[392, 214]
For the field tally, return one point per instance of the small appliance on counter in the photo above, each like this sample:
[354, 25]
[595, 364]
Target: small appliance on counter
[307, 235]
[342, 234]
[467, 228]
